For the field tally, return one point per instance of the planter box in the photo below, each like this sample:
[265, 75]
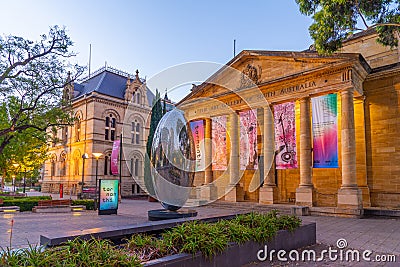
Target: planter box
[238, 255]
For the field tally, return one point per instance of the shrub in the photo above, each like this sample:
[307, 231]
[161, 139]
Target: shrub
[89, 203]
[24, 203]
[213, 238]
[93, 252]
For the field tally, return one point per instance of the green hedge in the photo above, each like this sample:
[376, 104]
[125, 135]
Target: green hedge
[19, 197]
[24, 203]
[89, 203]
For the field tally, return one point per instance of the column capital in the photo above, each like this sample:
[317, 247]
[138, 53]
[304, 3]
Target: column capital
[348, 90]
[305, 99]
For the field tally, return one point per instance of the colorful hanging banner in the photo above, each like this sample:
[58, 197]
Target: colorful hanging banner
[197, 128]
[219, 159]
[248, 140]
[285, 136]
[114, 157]
[324, 122]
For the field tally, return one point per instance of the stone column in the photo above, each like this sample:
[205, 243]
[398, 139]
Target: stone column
[349, 195]
[208, 190]
[233, 129]
[268, 192]
[305, 194]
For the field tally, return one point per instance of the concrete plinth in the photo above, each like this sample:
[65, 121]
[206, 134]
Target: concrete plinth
[305, 196]
[268, 195]
[208, 192]
[234, 194]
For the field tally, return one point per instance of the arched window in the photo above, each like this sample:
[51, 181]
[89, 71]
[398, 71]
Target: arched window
[107, 164]
[135, 166]
[65, 134]
[53, 165]
[78, 129]
[138, 98]
[63, 164]
[77, 158]
[110, 127]
[135, 132]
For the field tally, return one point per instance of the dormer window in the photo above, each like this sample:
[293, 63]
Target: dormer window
[138, 98]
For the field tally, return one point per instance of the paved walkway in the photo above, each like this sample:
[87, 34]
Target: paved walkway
[380, 235]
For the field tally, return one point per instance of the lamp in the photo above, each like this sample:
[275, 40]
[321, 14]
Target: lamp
[13, 177]
[84, 156]
[13, 182]
[97, 156]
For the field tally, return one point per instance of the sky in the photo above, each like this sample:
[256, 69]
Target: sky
[153, 35]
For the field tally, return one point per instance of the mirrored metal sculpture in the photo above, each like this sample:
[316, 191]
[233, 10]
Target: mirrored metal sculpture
[173, 160]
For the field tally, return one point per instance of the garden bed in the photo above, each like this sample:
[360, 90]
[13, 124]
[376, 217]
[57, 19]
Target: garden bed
[231, 242]
[241, 254]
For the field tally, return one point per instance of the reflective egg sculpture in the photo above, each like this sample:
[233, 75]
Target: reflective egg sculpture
[173, 160]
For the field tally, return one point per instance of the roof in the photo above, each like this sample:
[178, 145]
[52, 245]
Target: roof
[307, 55]
[107, 81]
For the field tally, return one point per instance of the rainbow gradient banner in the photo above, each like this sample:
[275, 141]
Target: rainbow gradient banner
[197, 128]
[324, 126]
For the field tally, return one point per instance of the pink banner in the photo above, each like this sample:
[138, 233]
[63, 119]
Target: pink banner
[114, 157]
[219, 160]
[197, 128]
[285, 136]
[248, 140]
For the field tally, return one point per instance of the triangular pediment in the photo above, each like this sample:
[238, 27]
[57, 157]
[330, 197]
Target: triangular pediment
[260, 67]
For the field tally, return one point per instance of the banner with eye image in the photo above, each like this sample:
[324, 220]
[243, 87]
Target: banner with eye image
[219, 157]
[285, 136]
[248, 140]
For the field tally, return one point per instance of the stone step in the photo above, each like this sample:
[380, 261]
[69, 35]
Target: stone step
[251, 206]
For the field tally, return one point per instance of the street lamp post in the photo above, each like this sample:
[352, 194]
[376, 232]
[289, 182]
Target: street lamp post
[97, 156]
[84, 156]
[13, 183]
[24, 180]
[13, 177]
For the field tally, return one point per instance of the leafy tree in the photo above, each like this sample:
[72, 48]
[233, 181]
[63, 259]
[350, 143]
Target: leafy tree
[32, 78]
[156, 115]
[335, 20]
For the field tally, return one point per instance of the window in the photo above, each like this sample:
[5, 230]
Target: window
[135, 132]
[65, 134]
[109, 133]
[135, 166]
[138, 98]
[135, 189]
[53, 165]
[63, 164]
[107, 164]
[76, 165]
[106, 160]
[78, 129]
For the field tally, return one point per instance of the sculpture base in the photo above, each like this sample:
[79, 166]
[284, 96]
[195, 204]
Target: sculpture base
[162, 214]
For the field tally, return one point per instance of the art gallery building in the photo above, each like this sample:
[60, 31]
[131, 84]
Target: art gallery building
[328, 126]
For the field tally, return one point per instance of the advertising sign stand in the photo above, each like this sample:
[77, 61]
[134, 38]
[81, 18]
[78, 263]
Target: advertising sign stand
[108, 196]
